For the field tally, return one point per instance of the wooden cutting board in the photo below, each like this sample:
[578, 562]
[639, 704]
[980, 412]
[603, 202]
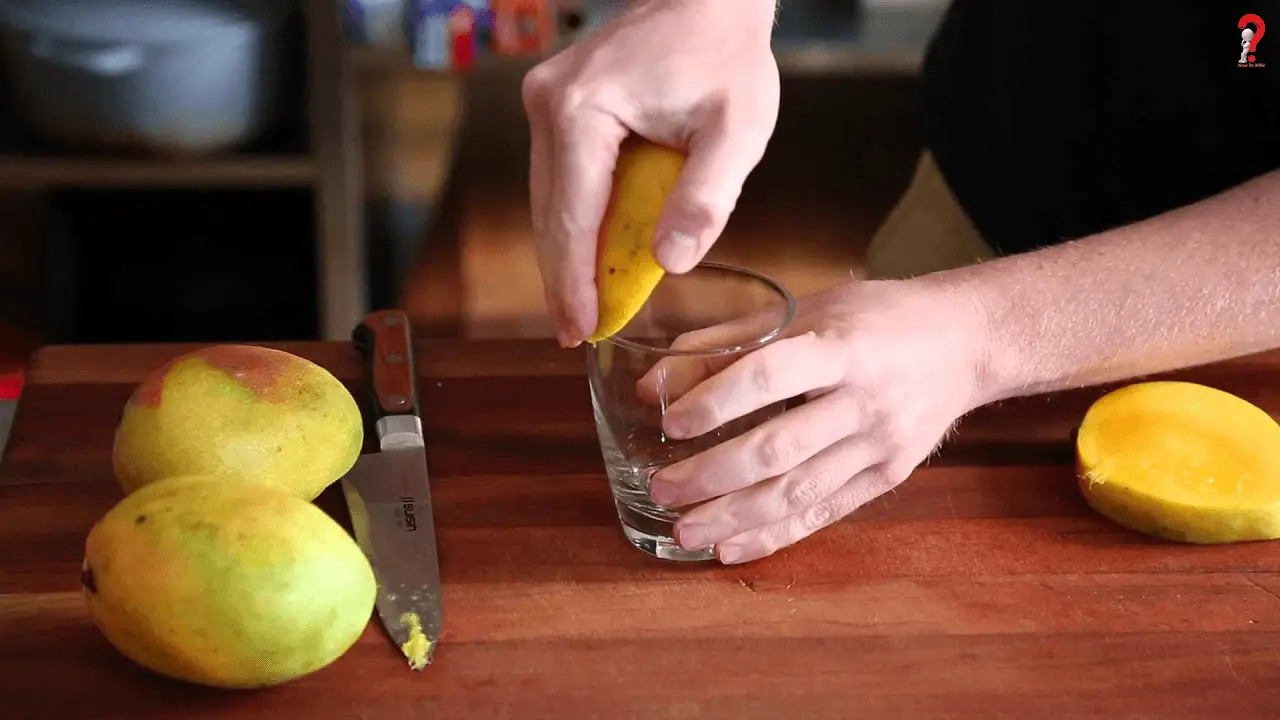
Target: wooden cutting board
[984, 587]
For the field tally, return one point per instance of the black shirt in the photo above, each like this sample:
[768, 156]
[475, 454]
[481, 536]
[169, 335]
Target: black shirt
[1056, 119]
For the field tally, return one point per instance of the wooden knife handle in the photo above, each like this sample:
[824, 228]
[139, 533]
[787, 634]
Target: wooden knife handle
[385, 339]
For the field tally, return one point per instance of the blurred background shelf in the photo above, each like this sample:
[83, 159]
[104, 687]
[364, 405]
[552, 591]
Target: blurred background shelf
[812, 37]
[280, 89]
[27, 173]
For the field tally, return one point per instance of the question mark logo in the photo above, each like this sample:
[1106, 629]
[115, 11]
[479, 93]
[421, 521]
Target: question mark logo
[1248, 37]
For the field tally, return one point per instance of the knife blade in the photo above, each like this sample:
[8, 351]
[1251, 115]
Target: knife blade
[388, 492]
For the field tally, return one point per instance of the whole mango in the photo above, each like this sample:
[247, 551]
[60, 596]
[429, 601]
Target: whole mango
[239, 411]
[226, 584]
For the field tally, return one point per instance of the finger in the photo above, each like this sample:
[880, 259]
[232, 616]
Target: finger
[672, 377]
[535, 94]
[772, 449]
[765, 541]
[778, 498]
[537, 89]
[585, 151]
[785, 369]
[722, 154]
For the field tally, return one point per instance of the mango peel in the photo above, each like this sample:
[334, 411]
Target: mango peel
[240, 411]
[626, 270]
[226, 584]
[1182, 462]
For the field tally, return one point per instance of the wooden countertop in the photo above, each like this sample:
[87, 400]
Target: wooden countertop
[984, 587]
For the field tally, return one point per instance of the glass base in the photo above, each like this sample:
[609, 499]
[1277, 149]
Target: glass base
[665, 548]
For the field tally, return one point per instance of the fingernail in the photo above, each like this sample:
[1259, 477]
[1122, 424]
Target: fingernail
[729, 554]
[663, 493]
[570, 337]
[677, 252]
[692, 537]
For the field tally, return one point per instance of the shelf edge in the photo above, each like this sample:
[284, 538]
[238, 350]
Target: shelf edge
[266, 171]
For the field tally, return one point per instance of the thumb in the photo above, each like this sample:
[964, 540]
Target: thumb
[696, 212]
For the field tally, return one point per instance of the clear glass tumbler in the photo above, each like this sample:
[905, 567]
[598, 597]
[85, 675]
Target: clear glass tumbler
[629, 420]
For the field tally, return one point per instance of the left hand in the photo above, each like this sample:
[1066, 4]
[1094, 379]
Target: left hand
[887, 367]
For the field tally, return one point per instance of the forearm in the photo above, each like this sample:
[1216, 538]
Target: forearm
[1195, 285]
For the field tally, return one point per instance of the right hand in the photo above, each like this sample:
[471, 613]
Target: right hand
[695, 75]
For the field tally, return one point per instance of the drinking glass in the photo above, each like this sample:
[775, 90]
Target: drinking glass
[629, 422]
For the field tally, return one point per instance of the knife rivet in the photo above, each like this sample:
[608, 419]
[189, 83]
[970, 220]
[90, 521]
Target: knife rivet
[395, 358]
[397, 400]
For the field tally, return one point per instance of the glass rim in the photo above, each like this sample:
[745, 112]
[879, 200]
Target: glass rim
[754, 344]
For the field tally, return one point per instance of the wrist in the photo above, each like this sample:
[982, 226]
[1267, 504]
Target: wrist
[1001, 340]
[763, 11]
[758, 16]
[965, 323]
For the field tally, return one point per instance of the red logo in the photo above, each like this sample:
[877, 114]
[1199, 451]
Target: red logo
[1249, 38]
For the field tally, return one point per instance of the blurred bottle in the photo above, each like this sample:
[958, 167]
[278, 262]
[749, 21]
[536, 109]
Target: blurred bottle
[524, 27]
[445, 34]
[462, 36]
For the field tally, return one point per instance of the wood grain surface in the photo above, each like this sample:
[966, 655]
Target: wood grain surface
[984, 587]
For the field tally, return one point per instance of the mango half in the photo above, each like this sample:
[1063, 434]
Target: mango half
[1183, 462]
[626, 270]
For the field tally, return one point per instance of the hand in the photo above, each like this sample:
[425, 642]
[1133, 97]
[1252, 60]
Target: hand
[886, 367]
[694, 75]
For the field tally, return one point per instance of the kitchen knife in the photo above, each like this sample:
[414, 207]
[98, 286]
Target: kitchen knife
[387, 492]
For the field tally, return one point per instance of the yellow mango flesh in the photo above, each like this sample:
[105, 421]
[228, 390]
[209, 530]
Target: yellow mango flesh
[226, 584]
[418, 646]
[1182, 462]
[248, 412]
[626, 270]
